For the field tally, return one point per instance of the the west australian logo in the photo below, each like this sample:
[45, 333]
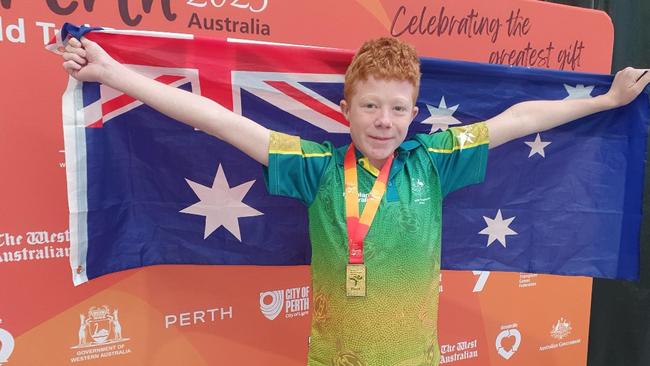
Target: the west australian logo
[100, 335]
[294, 301]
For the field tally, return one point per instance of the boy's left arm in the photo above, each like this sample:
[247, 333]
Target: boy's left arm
[525, 118]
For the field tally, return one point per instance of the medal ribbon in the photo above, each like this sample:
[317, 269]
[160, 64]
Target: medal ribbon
[358, 227]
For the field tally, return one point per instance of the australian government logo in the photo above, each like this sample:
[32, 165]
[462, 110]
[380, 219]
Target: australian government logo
[100, 335]
[561, 333]
[294, 302]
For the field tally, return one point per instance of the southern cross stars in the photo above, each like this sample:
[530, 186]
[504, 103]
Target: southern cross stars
[497, 229]
[537, 146]
[579, 91]
[441, 117]
[220, 204]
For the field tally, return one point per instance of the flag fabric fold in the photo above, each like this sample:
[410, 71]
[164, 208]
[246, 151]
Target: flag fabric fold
[144, 189]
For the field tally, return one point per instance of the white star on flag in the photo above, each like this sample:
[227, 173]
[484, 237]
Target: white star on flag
[537, 146]
[497, 229]
[579, 91]
[220, 204]
[441, 116]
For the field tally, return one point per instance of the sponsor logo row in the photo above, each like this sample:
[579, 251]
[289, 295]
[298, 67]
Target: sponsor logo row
[508, 341]
[102, 335]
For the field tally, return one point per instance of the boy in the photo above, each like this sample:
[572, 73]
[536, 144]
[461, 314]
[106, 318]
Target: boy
[375, 240]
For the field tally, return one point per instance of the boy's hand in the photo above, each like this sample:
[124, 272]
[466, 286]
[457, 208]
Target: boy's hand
[86, 60]
[628, 84]
[528, 117]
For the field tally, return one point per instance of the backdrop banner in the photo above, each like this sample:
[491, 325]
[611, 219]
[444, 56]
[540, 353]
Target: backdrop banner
[207, 315]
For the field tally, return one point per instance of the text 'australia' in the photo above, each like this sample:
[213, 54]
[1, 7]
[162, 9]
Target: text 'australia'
[251, 26]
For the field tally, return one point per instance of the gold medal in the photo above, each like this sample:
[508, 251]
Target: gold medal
[355, 280]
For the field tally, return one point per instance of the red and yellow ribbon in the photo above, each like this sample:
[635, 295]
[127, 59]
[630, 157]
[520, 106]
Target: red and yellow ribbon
[358, 227]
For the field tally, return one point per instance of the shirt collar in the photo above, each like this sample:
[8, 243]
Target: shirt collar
[403, 151]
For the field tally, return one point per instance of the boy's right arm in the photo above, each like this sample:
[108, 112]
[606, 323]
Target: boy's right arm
[87, 61]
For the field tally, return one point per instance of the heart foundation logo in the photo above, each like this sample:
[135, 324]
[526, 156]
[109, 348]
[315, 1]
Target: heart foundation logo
[6, 345]
[508, 337]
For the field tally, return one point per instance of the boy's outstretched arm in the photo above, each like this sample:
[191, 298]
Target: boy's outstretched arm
[85, 60]
[535, 116]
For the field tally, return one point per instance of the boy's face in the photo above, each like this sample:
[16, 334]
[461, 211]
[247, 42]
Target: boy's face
[380, 112]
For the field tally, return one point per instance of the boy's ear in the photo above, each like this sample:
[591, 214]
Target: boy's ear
[345, 108]
[415, 112]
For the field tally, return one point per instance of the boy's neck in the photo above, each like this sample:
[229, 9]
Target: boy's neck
[377, 163]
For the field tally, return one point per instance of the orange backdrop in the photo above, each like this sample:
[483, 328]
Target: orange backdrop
[207, 315]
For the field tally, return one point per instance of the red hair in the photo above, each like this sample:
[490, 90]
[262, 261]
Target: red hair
[383, 58]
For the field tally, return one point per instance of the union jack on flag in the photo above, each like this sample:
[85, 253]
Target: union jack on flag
[144, 189]
[109, 103]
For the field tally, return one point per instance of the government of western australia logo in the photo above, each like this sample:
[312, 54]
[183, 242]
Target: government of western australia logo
[294, 301]
[99, 326]
[100, 335]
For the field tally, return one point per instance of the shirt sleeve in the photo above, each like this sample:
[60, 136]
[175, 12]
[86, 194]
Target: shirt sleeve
[459, 154]
[296, 166]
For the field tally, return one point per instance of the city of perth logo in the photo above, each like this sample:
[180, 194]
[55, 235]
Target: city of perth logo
[294, 301]
[99, 327]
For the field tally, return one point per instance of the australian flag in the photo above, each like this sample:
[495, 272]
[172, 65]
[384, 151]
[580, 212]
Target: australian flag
[144, 189]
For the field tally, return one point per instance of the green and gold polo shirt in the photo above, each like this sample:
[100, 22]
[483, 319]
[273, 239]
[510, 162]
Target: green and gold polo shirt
[395, 324]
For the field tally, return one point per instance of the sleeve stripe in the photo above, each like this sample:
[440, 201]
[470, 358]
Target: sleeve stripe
[306, 155]
[478, 131]
[283, 144]
[449, 151]
[280, 143]
[316, 155]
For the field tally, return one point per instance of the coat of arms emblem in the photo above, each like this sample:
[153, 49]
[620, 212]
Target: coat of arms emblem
[99, 326]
